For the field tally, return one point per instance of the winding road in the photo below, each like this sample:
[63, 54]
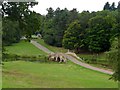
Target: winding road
[74, 60]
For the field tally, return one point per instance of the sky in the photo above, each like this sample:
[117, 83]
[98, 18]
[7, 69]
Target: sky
[80, 5]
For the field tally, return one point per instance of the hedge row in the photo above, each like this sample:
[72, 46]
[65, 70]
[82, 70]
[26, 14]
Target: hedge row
[14, 57]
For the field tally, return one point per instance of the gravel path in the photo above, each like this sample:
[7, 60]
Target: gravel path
[72, 59]
[87, 65]
[41, 47]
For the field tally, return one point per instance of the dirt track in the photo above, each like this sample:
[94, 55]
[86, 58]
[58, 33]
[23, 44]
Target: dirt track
[72, 59]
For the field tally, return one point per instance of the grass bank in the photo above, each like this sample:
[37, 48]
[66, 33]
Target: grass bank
[20, 74]
[24, 48]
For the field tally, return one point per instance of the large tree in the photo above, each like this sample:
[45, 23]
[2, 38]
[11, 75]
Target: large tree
[55, 26]
[99, 33]
[20, 12]
[118, 7]
[50, 13]
[10, 31]
[114, 58]
[31, 24]
[106, 6]
[113, 6]
[71, 36]
[114, 53]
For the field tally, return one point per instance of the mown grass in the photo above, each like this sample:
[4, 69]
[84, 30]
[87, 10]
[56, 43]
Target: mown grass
[22, 74]
[52, 48]
[24, 48]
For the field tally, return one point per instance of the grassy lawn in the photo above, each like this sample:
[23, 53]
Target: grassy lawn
[24, 48]
[52, 48]
[21, 74]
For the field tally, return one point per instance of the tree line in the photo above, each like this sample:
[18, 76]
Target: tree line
[111, 7]
[91, 31]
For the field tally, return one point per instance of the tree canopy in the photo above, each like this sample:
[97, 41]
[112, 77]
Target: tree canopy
[26, 21]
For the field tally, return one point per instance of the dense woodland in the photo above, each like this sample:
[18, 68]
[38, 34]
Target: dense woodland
[90, 31]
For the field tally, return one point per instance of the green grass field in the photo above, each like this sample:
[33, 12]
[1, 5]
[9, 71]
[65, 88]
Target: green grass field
[24, 48]
[21, 74]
